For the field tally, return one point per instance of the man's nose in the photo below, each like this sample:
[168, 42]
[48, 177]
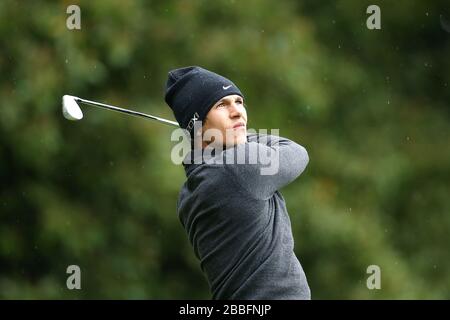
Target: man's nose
[235, 110]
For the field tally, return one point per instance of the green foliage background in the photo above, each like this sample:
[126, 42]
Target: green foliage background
[371, 107]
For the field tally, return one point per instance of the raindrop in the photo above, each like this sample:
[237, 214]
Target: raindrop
[67, 61]
[407, 138]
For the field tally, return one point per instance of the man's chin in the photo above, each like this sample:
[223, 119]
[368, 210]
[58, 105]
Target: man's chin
[229, 143]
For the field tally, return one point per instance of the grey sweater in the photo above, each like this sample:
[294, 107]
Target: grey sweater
[237, 222]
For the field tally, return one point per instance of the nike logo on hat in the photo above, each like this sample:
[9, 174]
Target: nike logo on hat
[227, 87]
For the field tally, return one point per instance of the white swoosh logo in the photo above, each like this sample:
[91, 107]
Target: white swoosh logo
[227, 87]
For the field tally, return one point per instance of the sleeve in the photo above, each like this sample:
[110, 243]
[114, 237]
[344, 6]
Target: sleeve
[265, 163]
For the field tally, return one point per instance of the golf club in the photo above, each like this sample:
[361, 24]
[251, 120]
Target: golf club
[72, 111]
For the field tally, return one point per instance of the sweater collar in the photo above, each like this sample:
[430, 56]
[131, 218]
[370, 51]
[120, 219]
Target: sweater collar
[198, 157]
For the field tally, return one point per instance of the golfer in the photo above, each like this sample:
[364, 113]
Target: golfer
[233, 212]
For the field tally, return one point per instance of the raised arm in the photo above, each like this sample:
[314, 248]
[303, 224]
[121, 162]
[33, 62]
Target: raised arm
[271, 162]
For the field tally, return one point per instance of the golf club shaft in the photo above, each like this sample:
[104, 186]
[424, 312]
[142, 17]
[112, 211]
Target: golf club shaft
[130, 112]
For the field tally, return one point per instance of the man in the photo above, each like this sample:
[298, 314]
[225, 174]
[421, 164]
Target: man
[233, 213]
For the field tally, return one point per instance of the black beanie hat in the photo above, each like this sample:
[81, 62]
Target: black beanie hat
[192, 91]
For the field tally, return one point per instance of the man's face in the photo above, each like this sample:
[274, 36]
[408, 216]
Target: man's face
[226, 122]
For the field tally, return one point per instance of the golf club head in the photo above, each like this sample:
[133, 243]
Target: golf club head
[70, 108]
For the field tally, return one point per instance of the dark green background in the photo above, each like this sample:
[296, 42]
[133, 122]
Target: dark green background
[371, 107]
